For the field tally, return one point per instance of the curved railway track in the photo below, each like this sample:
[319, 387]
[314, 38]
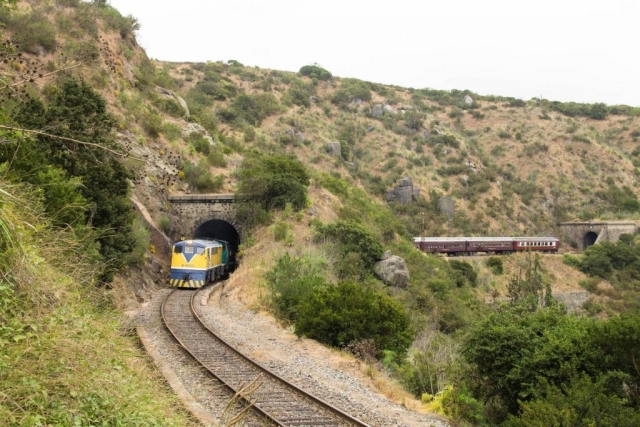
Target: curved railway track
[277, 401]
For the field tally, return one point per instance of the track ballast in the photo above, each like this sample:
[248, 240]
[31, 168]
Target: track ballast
[278, 401]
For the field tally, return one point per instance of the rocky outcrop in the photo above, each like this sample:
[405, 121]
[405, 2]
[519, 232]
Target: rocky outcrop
[168, 94]
[334, 149]
[404, 193]
[392, 270]
[190, 128]
[447, 207]
[377, 111]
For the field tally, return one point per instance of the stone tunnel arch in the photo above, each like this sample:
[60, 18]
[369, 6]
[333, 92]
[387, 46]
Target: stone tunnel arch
[589, 239]
[223, 230]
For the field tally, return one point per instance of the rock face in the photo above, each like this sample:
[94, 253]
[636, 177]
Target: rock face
[334, 149]
[168, 94]
[404, 193]
[447, 206]
[190, 128]
[393, 271]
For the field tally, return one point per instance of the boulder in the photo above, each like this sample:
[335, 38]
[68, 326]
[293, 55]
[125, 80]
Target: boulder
[334, 149]
[406, 182]
[404, 193]
[468, 100]
[393, 271]
[377, 110]
[447, 207]
[389, 109]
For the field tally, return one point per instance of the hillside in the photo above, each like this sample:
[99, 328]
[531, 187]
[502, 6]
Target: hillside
[90, 123]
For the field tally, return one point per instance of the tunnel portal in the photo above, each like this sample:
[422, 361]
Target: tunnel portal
[222, 230]
[589, 239]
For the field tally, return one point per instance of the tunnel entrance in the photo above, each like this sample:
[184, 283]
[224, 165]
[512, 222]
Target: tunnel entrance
[589, 239]
[219, 229]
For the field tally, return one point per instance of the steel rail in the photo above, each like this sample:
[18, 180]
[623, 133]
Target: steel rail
[304, 419]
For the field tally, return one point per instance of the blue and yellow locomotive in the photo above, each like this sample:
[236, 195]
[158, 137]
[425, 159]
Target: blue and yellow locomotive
[196, 263]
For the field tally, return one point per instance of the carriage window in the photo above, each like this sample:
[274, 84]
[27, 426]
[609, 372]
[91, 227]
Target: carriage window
[188, 249]
[177, 249]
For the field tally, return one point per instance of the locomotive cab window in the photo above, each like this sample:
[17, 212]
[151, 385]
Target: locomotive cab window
[177, 249]
[199, 251]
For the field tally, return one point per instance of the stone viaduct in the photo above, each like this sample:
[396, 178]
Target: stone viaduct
[585, 234]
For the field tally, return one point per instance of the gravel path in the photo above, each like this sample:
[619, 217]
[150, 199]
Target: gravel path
[318, 370]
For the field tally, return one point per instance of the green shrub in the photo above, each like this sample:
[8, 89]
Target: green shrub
[199, 176]
[164, 223]
[495, 264]
[216, 158]
[273, 181]
[354, 238]
[280, 230]
[447, 140]
[171, 131]
[30, 30]
[315, 72]
[151, 122]
[351, 89]
[199, 142]
[413, 120]
[348, 313]
[141, 238]
[464, 273]
[290, 281]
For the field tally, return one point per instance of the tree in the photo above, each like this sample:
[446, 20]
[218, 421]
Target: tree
[75, 114]
[582, 402]
[514, 351]
[273, 181]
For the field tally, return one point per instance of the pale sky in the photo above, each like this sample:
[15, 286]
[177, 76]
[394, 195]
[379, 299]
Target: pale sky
[562, 50]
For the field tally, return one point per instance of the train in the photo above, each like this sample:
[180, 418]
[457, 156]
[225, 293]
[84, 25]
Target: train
[196, 263]
[454, 246]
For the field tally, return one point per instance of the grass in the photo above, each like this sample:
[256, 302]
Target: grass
[67, 357]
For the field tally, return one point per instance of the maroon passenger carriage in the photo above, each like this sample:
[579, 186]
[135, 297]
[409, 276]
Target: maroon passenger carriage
[489, 245]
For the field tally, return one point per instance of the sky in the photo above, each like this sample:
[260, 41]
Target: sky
[560, 50]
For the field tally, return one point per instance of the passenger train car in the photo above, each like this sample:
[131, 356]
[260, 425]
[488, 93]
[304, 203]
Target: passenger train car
[195, 263]
[491, 245]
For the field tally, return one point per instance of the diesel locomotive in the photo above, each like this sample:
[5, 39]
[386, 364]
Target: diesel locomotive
[196, 263]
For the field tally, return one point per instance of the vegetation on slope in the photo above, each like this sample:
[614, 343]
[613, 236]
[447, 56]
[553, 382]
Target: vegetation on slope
[510, 166]
[65, 359]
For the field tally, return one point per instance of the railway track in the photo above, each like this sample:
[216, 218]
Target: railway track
[275, 400]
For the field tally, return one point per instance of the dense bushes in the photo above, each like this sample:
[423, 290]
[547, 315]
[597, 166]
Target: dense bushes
[290, 281]
[618, 262]
[268, 183]
[251, 108]
[78, 113]
[523, 362]
[31, 30]
[350, 90]
[315, 72]
[352, 238]
[348, 313]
